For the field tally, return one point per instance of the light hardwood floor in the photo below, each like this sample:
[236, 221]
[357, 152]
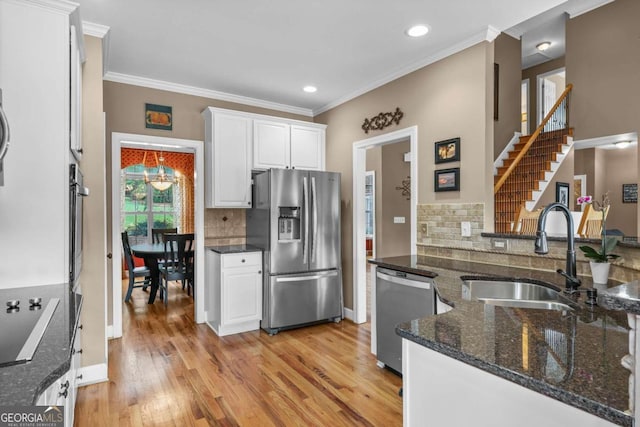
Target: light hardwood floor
[168, 371]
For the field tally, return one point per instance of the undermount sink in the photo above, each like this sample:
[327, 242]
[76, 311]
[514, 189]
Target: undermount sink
[515, 294]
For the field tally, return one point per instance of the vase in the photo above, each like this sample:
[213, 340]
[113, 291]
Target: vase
[600, 272]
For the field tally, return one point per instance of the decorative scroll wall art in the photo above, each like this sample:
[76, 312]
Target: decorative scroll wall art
[382, 120]
[405, 188]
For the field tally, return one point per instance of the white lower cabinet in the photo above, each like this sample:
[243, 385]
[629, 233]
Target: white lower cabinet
[63, 392]
[448, 392]
[233, 291]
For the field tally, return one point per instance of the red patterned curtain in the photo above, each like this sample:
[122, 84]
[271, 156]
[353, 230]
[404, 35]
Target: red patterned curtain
[181, 162]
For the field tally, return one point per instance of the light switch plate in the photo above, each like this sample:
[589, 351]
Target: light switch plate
[398, 220]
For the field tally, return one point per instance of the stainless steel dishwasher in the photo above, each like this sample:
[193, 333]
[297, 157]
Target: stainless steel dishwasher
[400, 297]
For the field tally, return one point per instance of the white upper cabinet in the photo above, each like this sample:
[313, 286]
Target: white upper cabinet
[307, 147]
[228, 159]
[287, 144]
[271, 144]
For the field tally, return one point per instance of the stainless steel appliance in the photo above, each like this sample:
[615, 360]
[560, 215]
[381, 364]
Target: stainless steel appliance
[400, 297]
[77, 191]
[295, 219]
[4, 139]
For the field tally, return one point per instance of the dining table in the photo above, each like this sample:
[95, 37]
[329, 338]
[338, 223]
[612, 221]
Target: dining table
[151, 253]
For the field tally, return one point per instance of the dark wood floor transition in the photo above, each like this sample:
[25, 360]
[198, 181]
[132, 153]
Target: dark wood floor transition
[167, 370]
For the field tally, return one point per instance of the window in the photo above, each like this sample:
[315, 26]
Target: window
[144, 207]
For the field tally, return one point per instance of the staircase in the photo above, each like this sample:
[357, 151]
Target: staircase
[531, 164]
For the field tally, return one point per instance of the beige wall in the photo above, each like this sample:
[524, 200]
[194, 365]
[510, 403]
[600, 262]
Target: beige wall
[507, 56]
[603, 59]
[395, 239]
[447, 99]
[93, 277]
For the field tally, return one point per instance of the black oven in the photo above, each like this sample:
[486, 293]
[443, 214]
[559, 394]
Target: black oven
[77, 191]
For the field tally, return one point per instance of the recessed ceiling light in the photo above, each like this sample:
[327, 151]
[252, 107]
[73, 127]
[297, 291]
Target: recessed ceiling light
[543, 46]
[622, 144]
[310, 89]
[417, 31]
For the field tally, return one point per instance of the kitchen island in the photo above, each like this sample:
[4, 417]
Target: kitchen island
[511, 366]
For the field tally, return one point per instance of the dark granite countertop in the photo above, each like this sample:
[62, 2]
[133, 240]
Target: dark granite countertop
[233, 249]
[624, 241]
[572, 356]
[623, 297]
[22, 384]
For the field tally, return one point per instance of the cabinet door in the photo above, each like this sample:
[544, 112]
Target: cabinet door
[231, 170]
[307, 148]
[270, 145]
[242, 295]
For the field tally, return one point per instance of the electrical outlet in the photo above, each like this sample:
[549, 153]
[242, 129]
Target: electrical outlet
[423, 228]
[465, 229]
[499, 244]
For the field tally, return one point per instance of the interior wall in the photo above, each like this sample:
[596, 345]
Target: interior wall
[603, 59]
[395, 239]
[446, 99]
[93, 276]
[507, 56]
[124, 108]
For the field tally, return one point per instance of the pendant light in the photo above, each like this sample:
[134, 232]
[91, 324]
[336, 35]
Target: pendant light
[162, 180]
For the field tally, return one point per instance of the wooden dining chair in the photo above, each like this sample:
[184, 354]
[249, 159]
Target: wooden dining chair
[591, 222]
[134, 272]
[178, 265]
[526, 222]
[157, 234]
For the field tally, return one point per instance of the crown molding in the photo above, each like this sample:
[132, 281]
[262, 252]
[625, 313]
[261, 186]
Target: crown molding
[578, 8]
[61, 6]
[488, 35]
[205, 93]
[95, 30]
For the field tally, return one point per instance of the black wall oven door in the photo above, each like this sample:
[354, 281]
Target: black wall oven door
[77, 191]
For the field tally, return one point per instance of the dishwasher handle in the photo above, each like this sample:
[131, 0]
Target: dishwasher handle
[422, 284]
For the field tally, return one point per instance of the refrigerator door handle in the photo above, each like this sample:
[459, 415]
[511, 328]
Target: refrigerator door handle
[314, 202]
[302, 278]
[305, 197]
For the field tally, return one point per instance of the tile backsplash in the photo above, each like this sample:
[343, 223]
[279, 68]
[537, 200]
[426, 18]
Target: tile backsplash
[439, 235]
[224, 226]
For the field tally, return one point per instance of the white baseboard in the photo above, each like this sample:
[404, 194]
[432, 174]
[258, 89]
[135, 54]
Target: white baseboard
[347, 313]
[93, 374]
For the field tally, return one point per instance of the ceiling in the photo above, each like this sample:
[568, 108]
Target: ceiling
[262, 53]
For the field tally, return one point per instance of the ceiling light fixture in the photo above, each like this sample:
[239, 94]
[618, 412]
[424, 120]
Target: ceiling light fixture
[622, 144]
[417, 31]
[543, 46]
[310, 89]
[162, 180]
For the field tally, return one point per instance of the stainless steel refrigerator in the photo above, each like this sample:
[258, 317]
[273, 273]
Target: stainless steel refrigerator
[295, 219]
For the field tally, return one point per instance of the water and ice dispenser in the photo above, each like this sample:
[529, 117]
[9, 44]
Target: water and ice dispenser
[288, 223]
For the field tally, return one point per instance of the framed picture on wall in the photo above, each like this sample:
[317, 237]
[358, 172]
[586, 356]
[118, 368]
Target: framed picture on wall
[447, 180]
[562, 193]
[629, 193]
[447, 150]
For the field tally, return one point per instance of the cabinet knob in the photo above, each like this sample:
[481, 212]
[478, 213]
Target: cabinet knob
[77, 351]
[259, 271]
[65, 385]
[63, 393]
[80, 327]
[243, 259]
[79, 377]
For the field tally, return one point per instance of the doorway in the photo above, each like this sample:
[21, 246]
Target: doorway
[146, 142]
[359, 314]
[550, 87]
[524, 107]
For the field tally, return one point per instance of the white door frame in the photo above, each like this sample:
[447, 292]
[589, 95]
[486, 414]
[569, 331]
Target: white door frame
[359, 170]
[373, 213]
[119, 140]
